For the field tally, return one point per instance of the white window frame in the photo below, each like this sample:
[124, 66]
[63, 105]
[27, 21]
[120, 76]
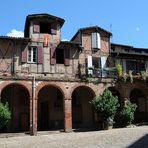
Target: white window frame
[32, 55]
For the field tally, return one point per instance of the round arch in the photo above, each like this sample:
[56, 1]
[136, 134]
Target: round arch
[82, 112]
[46, 84]
[138, 97]
[21, 84]
[50, 108]
[18, 98]
[84, 86]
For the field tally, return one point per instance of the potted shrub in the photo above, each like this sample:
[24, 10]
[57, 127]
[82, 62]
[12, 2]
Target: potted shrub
[5, 114]
[127, 113]
[106, 106]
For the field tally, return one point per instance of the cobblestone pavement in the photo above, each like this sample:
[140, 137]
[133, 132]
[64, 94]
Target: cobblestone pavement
[135, 137]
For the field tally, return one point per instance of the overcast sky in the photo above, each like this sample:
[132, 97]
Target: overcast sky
[126, 19]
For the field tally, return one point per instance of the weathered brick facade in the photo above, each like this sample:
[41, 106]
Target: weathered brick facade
[49, 83]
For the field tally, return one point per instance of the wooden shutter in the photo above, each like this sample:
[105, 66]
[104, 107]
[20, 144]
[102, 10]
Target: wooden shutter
[67, 57]
[52, 55]
[36, 27]
[103, 65]
[24, 53]
[93, 40]
[96, 40]
[39, 54]
[89, 64]
[54, 29]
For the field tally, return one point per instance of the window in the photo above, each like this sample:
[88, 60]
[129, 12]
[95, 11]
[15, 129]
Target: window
[135, 66]
[45, 27]
[96, 40]
[59, 56]
[32, 55]
[96, 61]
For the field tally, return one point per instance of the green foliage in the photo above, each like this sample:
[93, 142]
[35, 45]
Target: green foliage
[5, 114]
[119, 70]
[144, 75]
[105, 105]
[127, 113]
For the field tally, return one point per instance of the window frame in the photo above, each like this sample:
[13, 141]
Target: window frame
[32, 54]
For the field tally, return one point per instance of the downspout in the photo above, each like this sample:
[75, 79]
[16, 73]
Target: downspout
[33, 130]
[13, 59]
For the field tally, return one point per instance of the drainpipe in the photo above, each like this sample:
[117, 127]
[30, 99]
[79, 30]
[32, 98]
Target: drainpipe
[33, 129]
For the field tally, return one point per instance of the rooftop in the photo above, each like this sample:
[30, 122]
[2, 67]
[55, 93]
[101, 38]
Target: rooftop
[96, 28]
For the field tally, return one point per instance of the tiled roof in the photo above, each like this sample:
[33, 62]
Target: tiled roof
[89, 28]
[14, 38]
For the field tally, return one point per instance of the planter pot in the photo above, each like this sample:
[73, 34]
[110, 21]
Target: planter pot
[107, 126]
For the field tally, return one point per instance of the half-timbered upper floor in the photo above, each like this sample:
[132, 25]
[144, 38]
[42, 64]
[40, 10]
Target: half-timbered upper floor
[42, 53]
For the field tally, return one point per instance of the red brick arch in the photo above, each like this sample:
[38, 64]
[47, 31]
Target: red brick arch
[23, 84]
[54, 84]
[81, 85]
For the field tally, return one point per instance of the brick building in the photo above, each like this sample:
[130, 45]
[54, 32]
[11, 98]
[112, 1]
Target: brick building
[48, 83]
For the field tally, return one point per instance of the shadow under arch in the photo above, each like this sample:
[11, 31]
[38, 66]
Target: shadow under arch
[82, 112]
[138, 97]
[115, 92]
[18, 98]
[50, 108]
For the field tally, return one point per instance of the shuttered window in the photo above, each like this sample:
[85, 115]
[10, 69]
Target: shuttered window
[103, 65]
[39, 54]
[54, 29]
[52, 55]
[89, 64]
[32, 55]
[59, 56]
[96, 40]
[24, 54]
[36, 27]
[67, 57]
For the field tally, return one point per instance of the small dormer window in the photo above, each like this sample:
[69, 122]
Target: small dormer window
[45, 27]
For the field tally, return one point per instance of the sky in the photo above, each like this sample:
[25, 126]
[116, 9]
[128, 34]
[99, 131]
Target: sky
[126, 19]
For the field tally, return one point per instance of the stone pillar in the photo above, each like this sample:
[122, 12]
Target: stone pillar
[67, 115]
[33, 117]
[33, 110]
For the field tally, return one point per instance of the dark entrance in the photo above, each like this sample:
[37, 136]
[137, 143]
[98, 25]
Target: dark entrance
[18, 99]
[82, 112]
[138, 97]
[50, 109]
[44, 116]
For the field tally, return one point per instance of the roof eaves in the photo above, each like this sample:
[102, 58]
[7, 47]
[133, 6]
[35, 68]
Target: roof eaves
[91, 27]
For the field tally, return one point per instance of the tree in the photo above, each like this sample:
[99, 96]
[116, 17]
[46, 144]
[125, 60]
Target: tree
[106, 105]
[5, 114]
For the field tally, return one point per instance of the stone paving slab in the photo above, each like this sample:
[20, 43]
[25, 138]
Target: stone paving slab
[135, 137]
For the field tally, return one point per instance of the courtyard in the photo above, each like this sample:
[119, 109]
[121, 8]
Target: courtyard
[133, 137]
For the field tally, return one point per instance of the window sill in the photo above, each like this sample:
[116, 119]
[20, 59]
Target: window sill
[31, 62]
